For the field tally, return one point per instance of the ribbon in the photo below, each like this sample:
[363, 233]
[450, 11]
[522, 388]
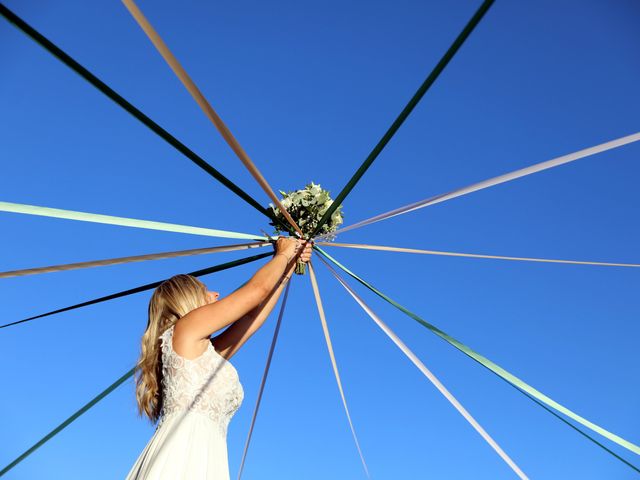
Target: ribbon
[264, 378]
[121, 221]
[136, 258]
[507, 177]
[499, 371]
[69, 420]
[427, 373]
[206, 107]
[327, 337]
[142, 288]
[113, 95]
[406, 111]
[470, 255]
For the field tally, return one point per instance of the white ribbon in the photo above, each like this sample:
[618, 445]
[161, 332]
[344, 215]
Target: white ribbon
[385, 248]
[507, 177]
[427, 373]
[327, 337]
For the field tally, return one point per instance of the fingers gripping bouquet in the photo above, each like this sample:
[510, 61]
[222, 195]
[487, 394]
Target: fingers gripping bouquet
[306, 207]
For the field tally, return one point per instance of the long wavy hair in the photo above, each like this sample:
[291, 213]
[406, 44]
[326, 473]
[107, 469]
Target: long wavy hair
[171, 300]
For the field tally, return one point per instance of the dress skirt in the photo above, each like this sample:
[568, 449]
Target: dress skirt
[187, 445]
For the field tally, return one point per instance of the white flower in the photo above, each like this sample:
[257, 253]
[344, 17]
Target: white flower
[308, 206]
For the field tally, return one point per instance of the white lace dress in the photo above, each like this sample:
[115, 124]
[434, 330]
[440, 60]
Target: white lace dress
[199, 398]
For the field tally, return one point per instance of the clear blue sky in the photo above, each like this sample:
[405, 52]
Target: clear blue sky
[308, 88]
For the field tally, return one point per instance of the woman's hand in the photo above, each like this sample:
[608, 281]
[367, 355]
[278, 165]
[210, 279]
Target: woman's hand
[305, 256]
[287, 246]
[290, 246]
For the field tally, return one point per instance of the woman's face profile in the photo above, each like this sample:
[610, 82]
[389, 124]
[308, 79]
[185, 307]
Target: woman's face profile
[211, 296]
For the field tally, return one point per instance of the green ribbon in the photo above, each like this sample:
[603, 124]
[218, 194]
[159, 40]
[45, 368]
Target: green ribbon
[569, 424]
[148, 286]
[68, 421]
[121, 221]
[501, 372]
[109, 92]
[124, 377]
[435, 73]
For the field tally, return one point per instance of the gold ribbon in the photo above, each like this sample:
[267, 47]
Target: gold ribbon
[206, 107]
[471, 255]
[327, 337]
[135, 258]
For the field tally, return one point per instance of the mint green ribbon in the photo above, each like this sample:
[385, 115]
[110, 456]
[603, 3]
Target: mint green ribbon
[501, 372]
[121, 221]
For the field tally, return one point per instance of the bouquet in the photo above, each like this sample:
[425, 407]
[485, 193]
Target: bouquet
[307, 207]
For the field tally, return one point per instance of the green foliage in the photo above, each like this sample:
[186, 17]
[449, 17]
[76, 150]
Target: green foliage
[306, 207]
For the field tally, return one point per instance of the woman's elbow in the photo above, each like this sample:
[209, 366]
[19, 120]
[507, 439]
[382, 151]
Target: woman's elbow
[261, 291]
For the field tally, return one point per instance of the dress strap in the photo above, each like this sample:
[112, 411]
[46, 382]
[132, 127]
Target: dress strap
[166, 339]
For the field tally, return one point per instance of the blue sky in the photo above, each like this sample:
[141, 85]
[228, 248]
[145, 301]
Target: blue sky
[308, 89]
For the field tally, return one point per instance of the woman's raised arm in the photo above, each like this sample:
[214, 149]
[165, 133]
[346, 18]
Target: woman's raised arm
[230, 340]
[199, 324]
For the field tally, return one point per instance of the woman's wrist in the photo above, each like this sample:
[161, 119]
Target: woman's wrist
[284, 255]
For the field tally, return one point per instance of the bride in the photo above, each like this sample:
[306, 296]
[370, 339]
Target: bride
[184, 379]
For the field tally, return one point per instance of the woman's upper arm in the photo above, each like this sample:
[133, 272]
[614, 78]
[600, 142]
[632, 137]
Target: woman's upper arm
[204, 321]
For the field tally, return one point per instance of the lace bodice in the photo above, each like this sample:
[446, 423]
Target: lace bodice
[207, 385]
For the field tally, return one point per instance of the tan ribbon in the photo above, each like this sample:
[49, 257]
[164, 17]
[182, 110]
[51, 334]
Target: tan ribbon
[427, 373]
[471, 255]
[206, 107]
[264, 378]
[327, 337]
[507, 177]
[136, 258]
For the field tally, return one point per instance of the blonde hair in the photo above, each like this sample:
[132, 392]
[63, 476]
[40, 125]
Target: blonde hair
[171, 300]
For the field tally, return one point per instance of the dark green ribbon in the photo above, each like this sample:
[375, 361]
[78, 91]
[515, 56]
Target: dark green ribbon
[435, 73]
[109, 92]
[571, 425]
[124, 377]
[68, 421]
[142, 288]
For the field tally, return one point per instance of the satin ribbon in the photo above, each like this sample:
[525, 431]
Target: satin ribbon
[327, 337]
[470, 255]
[427, 373]
[499, 371]
[69, 420]
[122, 221]
[122, 102]
[142, 288]
[136, 258]
[206, 107]
[264, 378]
[507, 177]
[406, 111]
